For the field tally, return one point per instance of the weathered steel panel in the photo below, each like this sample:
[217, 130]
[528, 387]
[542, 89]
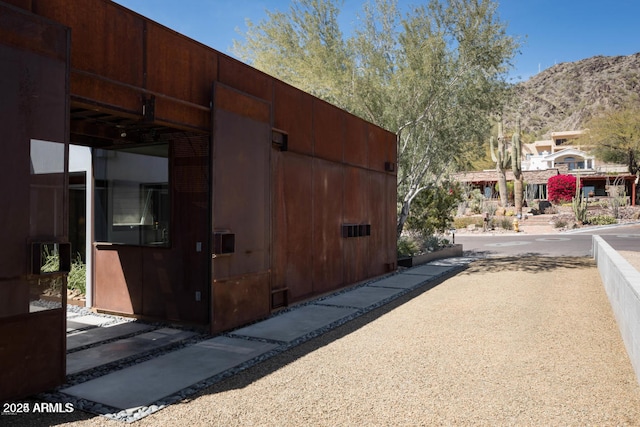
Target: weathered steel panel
[170, 112]
[292, 215]
[240, 300]
[33, 353]
[328, 131]
[241, 207]
[14, 297]
[120, 57]
[107, 38]
[191, 210]
[244, 78]
[118, 278]
[241, 193]
[292, 111]
[162, 290]
[356, 193]
[241, 105]
[40, 38]
[328, 196]
[179, 67]
[392, 149]
[390, 219]
[88, 88]
[14, 161]
[169, 283]
[33, 105]
[176, 279]
[381, 208]
[356, 150]
[23, 4]
[379, 150]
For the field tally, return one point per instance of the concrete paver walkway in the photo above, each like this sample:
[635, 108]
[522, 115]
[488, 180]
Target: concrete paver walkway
[505, 342]
[163, 380]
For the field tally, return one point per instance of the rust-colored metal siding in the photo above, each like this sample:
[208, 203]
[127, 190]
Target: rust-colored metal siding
[356, 147]
[326, 221]
[292, 221]
[356, 250]
[293, 113]
[241, 207]
[328, 131]
[244, 78]
[286, 208]
[33, 84]
[32, 353]
[336, 178]
[118, 278]
[165, 66]
[163, 282]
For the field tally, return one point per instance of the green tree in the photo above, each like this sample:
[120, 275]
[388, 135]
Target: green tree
[615, 137]
[432, 76]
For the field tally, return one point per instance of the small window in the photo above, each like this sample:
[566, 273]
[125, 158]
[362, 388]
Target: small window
[132, 195]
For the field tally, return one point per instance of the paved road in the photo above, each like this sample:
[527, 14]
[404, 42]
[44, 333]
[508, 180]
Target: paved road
[622, 238]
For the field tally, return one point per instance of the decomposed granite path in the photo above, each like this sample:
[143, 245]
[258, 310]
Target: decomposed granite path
[500, 343]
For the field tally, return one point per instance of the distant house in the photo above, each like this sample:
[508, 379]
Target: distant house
[562, 154]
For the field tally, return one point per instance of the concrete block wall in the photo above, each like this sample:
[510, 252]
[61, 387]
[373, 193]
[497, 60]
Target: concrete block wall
[622, 285]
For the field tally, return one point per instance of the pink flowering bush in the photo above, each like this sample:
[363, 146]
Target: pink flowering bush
[561, 188]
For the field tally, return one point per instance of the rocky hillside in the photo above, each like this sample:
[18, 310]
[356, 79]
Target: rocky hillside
[567, 95]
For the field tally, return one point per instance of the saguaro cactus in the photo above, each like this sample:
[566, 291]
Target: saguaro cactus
[579, 204]
[516, 166]
[502, 157]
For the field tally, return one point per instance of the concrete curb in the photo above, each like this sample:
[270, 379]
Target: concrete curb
[622, 285]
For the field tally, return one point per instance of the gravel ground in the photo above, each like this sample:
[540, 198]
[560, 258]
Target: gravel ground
[502, 343]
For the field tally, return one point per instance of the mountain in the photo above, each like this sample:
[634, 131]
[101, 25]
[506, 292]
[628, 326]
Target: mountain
[565, 96]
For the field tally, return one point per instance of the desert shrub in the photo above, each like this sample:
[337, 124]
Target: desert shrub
[51, 261]
[414, 244]
[506, 224]
[433, 209]
[407, 246]
[602, 220]
[491, 208]
[476, 200]
[77, 279]
[432, 243]
[465, 221]
[561, 188]
[560, 223]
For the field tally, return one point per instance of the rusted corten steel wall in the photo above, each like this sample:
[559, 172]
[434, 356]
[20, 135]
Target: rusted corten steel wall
[33, 106]
[285, 209]
[161, 282]
[333, 173]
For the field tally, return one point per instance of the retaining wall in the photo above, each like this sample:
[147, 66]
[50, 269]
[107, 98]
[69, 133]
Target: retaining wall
[622, 285]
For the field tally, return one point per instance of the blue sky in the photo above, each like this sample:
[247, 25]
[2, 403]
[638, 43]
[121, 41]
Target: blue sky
[552, 31]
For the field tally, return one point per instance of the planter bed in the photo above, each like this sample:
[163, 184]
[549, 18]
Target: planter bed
[448, 252]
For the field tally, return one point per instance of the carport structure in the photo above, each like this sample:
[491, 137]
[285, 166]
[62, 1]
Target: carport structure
[219, 193]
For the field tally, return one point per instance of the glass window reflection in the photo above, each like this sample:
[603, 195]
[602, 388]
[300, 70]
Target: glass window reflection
[132, 195]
